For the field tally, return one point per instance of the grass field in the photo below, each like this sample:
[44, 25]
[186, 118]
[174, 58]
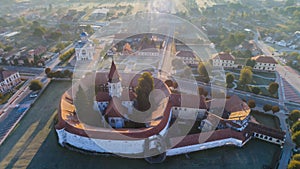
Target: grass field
[266, 119]
[34, 145]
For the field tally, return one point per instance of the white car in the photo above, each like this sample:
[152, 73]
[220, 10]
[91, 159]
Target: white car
[33, 95]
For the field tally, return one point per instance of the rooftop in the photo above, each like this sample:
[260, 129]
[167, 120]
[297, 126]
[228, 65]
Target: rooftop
[224, 56]
[264, 59]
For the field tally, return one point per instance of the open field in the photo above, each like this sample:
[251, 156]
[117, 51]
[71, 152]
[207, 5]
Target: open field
[33, 144]
[266, 119]
[25, 141]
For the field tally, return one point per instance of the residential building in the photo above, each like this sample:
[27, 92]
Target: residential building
[264, 63]
[225, 60]
[8, 79]
[188, 57]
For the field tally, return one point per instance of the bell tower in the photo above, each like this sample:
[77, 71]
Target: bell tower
[114, 81]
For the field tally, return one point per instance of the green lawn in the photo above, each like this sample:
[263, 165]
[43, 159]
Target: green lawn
[266, 119]
[25, 141]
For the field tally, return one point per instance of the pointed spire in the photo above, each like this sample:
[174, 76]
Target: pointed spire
[113, 76]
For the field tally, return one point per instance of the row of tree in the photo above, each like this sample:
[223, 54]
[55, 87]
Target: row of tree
[294, 117]
[65, 56]
[266, 108]
[58, 74]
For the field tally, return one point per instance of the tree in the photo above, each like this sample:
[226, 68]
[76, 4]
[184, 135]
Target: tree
[290, 3]
[66, 73]
[246, 75]
[267, 107]
[294, 164]
[296, 157]
[296, 138]
[35, 85]
[202, 91]
[275, 109]
[273, 88]
[229, 78]
[143, 90]
[89, 29]
[251, 104]
[255, 90]
[169, 83]
[175, 85]
[203, 69]
[39, 32]
[294, 115]
[55, 35]
[296, 127]
[47, 70]
[250, 62]
[58, 74]
[35, 24]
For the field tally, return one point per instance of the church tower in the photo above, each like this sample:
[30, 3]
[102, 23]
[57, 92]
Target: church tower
[114, 81]
[84, 49]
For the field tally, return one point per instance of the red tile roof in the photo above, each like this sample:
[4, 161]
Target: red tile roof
[189, 54]
[115, 108]
[5, 74]
[264, 59]
[189, 101]
[113, 75]
[235, 104]
[224, 56]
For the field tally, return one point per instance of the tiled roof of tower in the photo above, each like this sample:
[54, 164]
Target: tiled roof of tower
[224, 56]
[83, 34]
[264, 59]
[113, 75]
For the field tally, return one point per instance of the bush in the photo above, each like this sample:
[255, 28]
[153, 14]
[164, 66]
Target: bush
[294, 164]
[275, 109]
[256, 90]
[35, 85]
[296, 138]
[65, 56]
[169, 83]
[47, 70]
[267, 107]
[273, 88]
[251, 103]
[295, 127]
[296, 157]
[294, 115]
[229, 78]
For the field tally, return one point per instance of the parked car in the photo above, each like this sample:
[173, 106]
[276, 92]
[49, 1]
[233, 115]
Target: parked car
[33, 95]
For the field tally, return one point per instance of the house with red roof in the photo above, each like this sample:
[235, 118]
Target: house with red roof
[224, 59]
[264, 63]
[188, 57]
